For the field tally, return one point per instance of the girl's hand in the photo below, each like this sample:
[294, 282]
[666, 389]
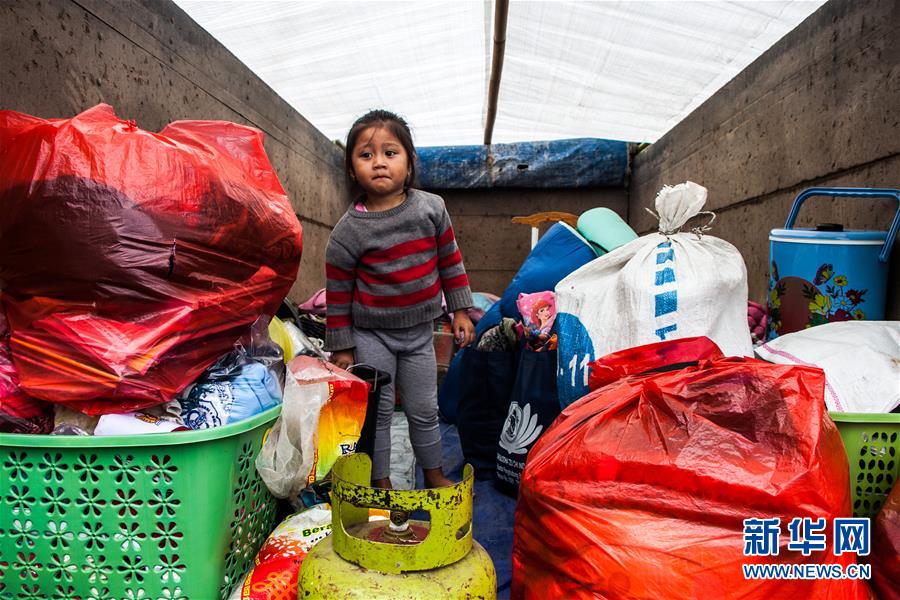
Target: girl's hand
[463, 330]
[342, 358]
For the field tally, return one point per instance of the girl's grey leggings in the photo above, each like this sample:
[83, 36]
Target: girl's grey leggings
[408, 356]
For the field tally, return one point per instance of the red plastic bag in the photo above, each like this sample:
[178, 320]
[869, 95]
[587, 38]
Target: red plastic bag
[130, 260]
[885, 556]
[652, 357]
[18, 412]
[640, 489]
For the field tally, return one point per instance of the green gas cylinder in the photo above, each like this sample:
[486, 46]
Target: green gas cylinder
[397, 558]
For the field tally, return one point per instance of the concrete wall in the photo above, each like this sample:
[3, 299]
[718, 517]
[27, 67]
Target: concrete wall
[493, 247]
[820, 108]
[153, 64]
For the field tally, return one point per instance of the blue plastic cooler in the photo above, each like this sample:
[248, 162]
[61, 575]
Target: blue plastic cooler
[828, 274]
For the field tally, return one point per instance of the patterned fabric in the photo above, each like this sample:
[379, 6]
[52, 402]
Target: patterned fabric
[500, 338]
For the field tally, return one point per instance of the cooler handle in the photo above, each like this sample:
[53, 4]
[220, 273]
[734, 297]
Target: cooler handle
[853, 193]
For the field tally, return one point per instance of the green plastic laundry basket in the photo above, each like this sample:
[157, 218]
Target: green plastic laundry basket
[872, 442]
[157, 516]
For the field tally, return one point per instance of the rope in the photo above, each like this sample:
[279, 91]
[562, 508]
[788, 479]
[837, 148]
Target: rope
[698, 231]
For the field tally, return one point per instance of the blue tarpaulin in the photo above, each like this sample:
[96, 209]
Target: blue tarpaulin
[493, 513]
[574, 163]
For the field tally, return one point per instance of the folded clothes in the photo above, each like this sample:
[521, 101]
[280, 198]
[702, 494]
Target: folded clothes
[215, 402]
[136, 423]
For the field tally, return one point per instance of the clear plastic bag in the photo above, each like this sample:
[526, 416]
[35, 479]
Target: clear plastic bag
[324, 410]
[244, 382]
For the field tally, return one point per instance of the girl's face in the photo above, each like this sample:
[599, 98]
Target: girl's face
[544, 313]
[380, 164]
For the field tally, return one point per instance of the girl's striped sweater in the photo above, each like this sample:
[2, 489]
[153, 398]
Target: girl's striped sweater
[387, 269]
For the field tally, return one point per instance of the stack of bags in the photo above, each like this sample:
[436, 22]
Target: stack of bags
[133, 266]
[672, 440]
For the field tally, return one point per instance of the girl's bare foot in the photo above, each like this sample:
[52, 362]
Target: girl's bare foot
[435, 478]
[384, 483]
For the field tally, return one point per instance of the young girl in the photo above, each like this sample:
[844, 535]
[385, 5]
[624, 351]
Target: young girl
[387, 262]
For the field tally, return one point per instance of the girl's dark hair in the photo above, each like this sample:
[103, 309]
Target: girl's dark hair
[396, 125]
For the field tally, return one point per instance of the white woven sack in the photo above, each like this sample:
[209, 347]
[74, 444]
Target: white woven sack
[861, 360]
[661, 286]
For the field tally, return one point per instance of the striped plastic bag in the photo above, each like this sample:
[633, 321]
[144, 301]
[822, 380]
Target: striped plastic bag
[661, 286]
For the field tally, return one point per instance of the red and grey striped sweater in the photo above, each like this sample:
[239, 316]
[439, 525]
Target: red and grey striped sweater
[386, 270]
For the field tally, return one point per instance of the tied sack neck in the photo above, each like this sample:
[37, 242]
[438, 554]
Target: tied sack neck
[676, 205]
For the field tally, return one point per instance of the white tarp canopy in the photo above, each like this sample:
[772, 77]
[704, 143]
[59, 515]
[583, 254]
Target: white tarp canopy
[626, 70]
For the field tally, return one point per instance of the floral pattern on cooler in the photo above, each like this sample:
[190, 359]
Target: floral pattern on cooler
[838, 303]
[777, 289]
[828, 298]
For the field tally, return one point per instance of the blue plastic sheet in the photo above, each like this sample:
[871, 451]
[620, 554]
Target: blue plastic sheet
[493, 514]
[574, 163]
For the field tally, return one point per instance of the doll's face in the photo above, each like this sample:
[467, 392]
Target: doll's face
[544, 313]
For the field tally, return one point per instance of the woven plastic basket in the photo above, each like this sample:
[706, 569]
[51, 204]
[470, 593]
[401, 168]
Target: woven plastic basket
[872, 442]
[173, 515]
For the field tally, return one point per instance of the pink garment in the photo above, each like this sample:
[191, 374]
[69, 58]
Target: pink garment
[482, 302]
[361, 206]
[538, 311]
[757, 321]
[315, 305]
[538, 314]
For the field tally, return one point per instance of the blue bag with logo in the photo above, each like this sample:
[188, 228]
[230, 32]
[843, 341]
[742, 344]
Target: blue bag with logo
[484, 396]
[533, 406]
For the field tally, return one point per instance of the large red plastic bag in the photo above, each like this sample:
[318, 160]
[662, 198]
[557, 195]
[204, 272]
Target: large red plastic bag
[18, 412]
[642, 359]
[885, 557]
[130, 261]
[22, 414]
[322, 418]
[640, 489]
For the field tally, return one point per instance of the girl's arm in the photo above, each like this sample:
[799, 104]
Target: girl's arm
[463, 329]
[454, 280]
[340, 278]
